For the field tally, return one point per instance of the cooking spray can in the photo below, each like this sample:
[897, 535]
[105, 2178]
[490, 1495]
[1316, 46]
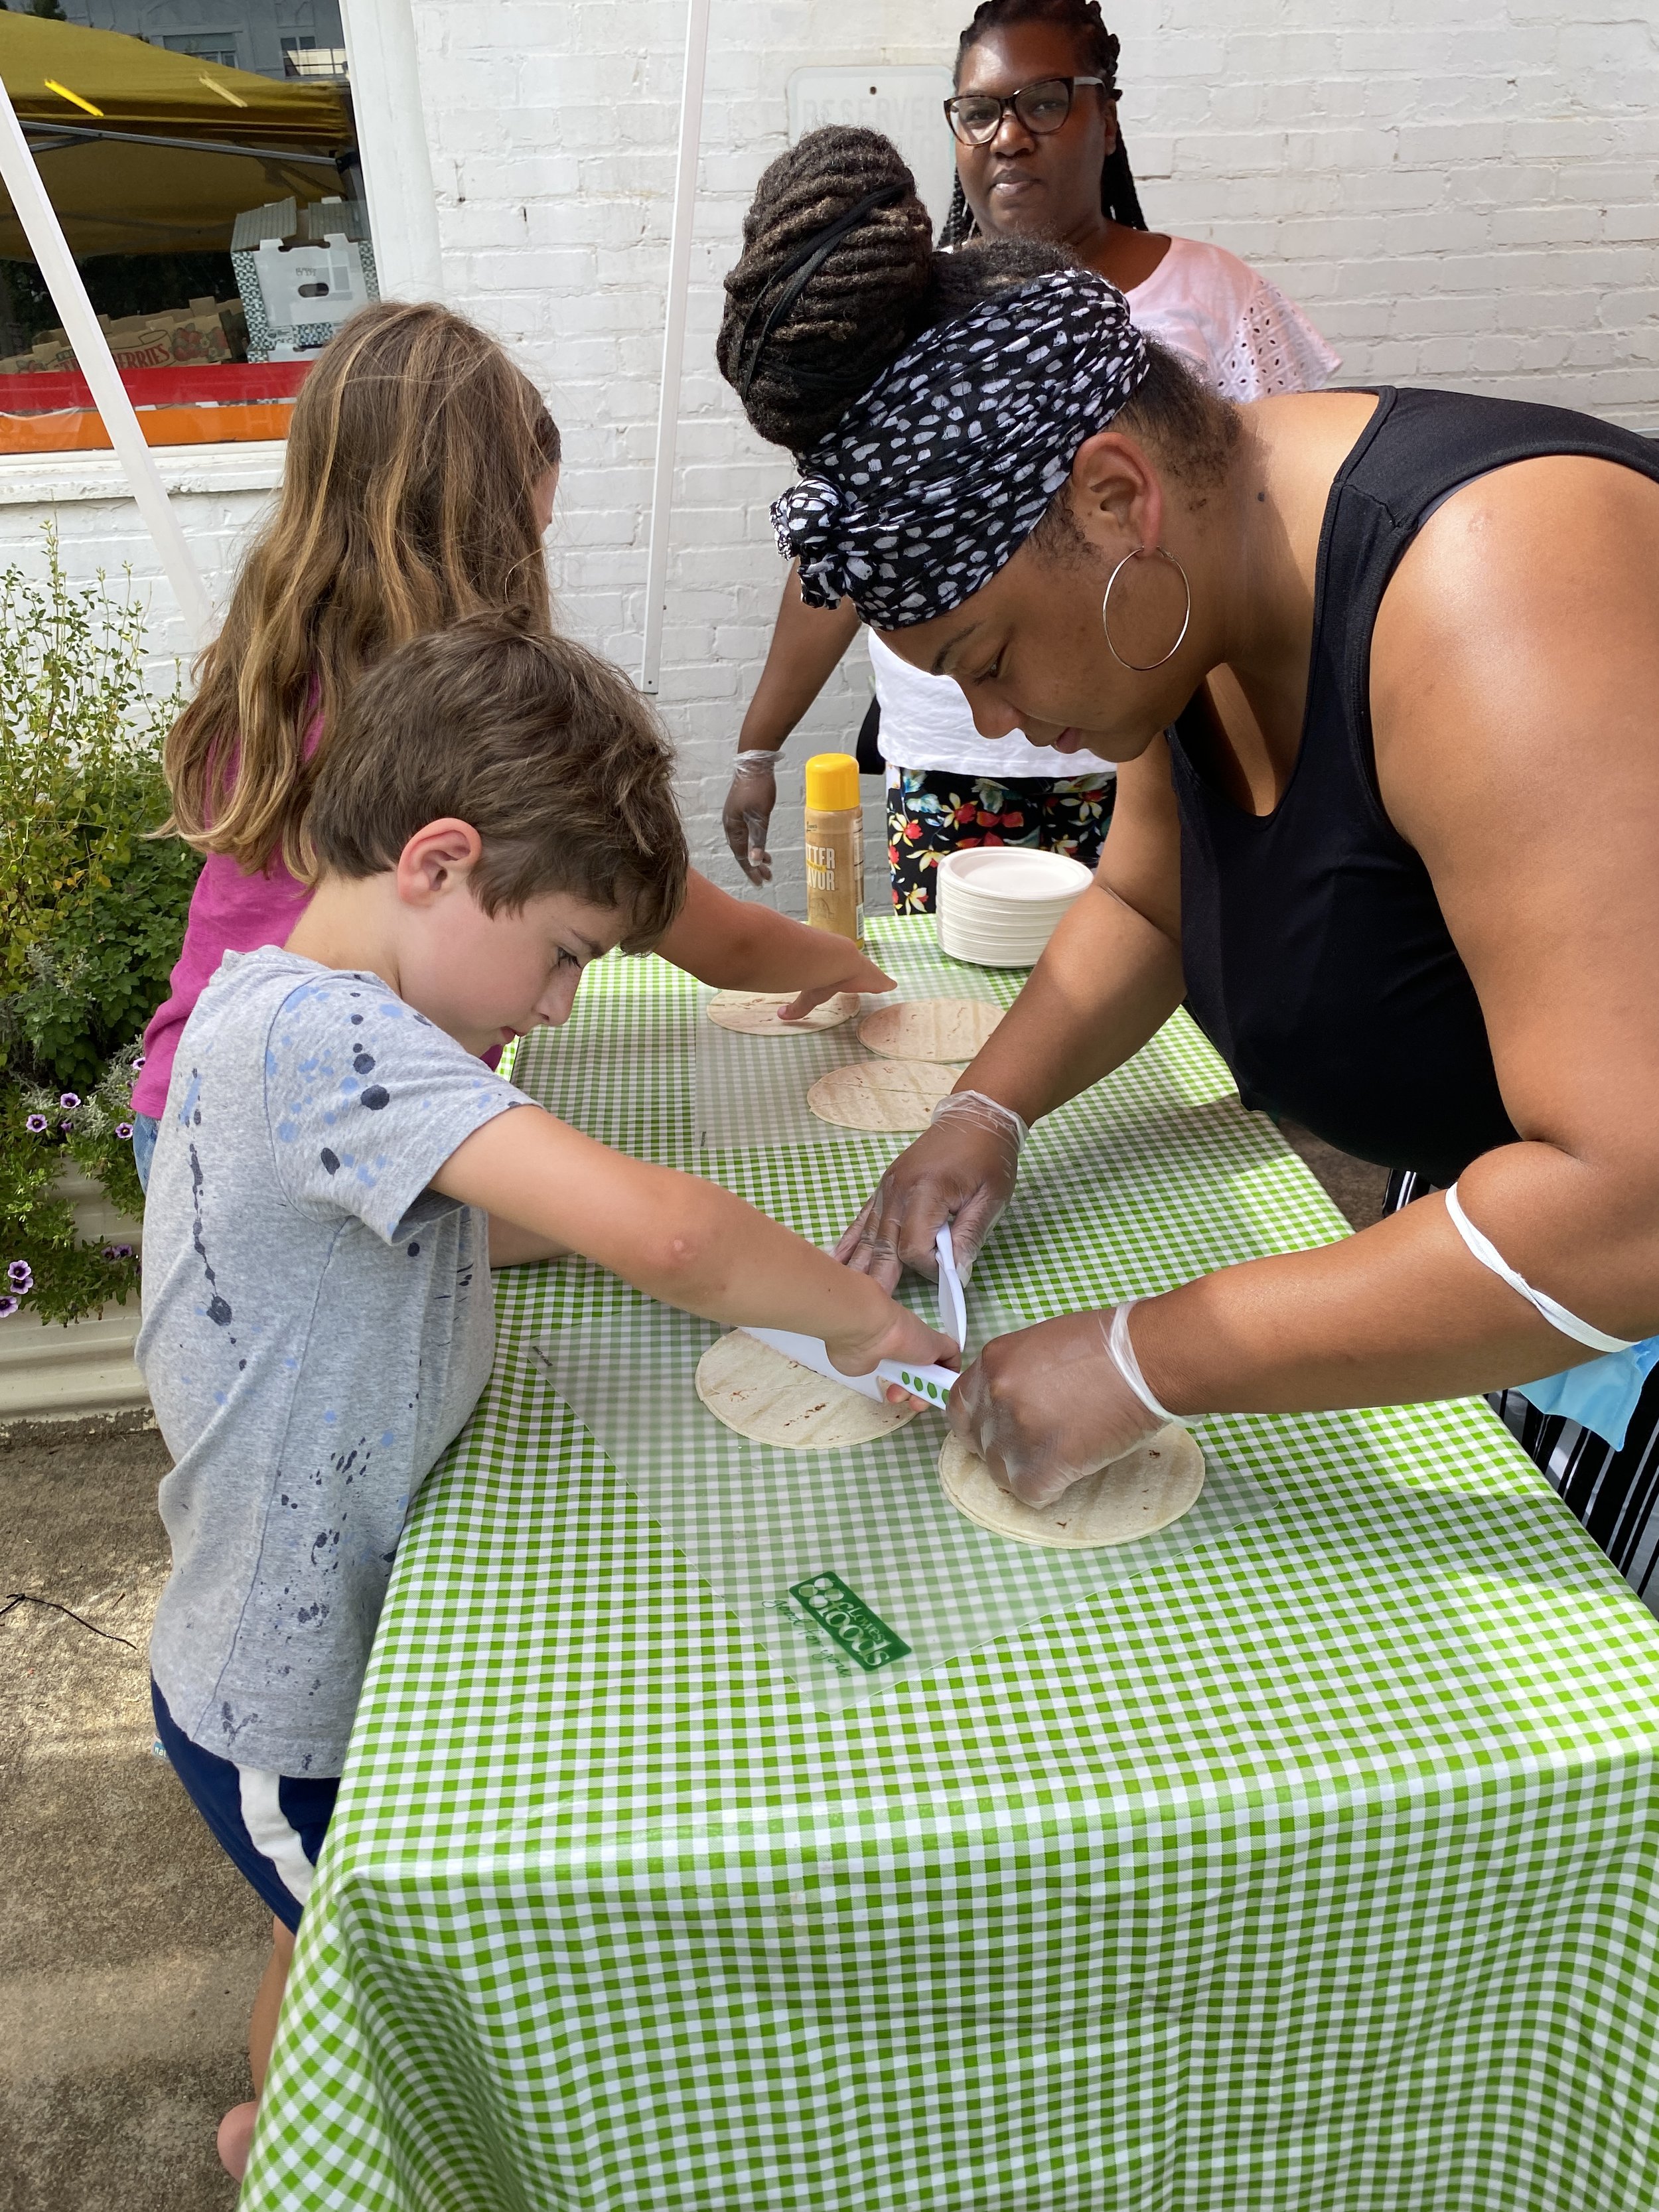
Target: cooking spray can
[835, 846]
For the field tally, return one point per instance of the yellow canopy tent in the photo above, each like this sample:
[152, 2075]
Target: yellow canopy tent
[142, 87]
[147, 151]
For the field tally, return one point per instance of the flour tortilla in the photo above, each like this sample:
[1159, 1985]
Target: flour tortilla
[930, 1029]
[756, 1012]
[763, 1394]
[1143, 1492]
[881, 1094]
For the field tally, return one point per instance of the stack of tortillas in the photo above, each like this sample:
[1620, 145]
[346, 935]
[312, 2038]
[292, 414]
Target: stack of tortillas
[763, 1394]
[919, 1048]
[1145, 1490]
[756, 1013]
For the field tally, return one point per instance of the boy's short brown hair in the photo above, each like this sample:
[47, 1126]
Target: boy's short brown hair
[547, 751]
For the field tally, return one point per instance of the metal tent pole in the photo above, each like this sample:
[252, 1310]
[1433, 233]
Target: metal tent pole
[673, 339]
[97, 364]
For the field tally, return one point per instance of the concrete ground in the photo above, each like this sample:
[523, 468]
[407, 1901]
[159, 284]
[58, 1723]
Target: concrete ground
[129, 1948]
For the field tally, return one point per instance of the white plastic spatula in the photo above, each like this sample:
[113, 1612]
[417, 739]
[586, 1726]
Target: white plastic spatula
[953, 1318]
[933, 1383]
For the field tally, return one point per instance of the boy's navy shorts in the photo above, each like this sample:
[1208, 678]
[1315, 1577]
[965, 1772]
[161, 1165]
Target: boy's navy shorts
[272, 1825]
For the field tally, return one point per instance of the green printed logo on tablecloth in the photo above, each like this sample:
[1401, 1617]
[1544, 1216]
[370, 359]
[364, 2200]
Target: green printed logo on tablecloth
[843, 1616]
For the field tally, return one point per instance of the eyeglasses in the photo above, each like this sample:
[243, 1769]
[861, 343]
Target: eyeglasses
[976, 118]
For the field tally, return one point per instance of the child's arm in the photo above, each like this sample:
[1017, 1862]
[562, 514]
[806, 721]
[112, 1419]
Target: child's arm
[510, 1246]
[741, 945]
[688, 1242]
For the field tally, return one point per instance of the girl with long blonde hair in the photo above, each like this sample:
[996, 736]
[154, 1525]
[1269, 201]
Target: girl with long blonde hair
[419, 479]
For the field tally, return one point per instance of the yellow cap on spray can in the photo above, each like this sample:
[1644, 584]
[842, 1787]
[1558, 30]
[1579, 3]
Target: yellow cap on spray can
[835, 846]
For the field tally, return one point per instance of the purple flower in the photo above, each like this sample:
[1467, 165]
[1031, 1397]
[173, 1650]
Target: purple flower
[69, 1101]
[35, 1124]
[123, 1130]
[21, 1276]
[118, 1251]
[136, 1062]
[66, 1125]
[8, 1308]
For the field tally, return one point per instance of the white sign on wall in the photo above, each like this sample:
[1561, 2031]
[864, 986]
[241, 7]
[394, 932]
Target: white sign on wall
[905, 105]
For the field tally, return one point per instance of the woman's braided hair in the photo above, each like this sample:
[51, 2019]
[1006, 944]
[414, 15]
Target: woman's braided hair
[798, 370]
[798, 374]
[1097, 50]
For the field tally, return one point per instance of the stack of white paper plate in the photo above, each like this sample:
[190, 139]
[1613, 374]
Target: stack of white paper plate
[1000, 905]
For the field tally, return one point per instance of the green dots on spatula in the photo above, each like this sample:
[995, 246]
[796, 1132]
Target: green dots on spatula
[927, 1388]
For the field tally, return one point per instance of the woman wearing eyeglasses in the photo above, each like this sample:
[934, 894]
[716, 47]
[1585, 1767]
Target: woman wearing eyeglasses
[1038, 156]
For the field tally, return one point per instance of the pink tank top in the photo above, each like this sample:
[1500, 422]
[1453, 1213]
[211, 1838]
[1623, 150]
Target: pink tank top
[229, 912]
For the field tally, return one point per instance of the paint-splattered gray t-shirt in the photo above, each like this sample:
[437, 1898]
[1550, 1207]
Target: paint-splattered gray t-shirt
[317, 1326]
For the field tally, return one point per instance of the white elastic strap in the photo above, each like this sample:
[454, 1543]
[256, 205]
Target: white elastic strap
[1122, 1354]
[1557, 1316]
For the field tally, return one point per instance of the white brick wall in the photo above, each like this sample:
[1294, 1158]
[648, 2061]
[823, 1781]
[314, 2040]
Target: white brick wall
[220, 493]
[1460, 191]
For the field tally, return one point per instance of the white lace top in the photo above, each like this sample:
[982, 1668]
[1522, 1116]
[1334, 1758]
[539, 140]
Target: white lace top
[1246, 340]
[1226, 321]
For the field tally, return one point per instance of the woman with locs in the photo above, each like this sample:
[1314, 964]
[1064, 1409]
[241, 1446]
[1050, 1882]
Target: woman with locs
[1038, 156]
[1398, 852]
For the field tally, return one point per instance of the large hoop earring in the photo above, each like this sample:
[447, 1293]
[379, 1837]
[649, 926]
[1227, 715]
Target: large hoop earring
[1135, 553]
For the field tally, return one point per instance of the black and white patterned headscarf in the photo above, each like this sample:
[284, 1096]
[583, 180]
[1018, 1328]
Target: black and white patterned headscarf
[933, 480]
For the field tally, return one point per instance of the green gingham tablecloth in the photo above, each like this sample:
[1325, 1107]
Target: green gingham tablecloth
[1312, 1869]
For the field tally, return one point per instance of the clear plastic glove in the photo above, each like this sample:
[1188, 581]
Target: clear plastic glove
[748, 813]
[1044, 1407]
[960, 1170]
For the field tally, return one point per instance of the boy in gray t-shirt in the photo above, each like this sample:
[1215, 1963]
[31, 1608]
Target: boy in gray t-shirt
[337, 1169]
[289, 1228]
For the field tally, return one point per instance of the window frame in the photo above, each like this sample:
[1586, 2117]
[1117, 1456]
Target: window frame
[396, 172]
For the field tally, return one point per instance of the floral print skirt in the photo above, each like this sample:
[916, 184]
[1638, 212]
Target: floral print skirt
[933, 812]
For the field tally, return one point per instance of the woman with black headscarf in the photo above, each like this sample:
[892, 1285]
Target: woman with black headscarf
[1378, 668]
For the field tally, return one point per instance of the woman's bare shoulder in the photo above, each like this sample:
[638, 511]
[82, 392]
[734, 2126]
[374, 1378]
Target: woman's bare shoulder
[1522, 612]
[1555, 553]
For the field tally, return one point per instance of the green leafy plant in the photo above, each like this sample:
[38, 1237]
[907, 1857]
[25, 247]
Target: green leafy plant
[92, 906]
[92, 912]
[44, 1264]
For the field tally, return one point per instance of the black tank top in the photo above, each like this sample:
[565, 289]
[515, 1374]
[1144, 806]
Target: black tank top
[1316, 959]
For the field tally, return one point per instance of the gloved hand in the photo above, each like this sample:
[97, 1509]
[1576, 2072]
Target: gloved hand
[961, 1169]
[1044, 1407]
[748, 812]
